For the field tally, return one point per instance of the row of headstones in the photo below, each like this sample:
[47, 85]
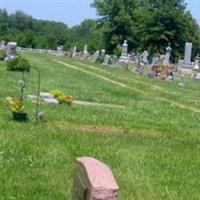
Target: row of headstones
[9, 48]
[126, 58]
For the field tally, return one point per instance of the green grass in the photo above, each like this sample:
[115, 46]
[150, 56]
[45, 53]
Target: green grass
[152, 144]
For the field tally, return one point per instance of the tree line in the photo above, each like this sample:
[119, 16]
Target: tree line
[145, 24]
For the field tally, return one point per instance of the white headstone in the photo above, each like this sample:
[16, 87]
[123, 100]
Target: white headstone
[74, 52]
[167, 55]
[196, 65]
[124, 55]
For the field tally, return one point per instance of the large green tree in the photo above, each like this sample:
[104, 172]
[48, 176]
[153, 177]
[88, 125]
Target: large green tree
[147, 24]
[88, 32]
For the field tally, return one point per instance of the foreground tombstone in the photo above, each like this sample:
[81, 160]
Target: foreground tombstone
[94, 181]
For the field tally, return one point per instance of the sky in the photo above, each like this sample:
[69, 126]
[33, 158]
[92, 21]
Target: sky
[71, 12]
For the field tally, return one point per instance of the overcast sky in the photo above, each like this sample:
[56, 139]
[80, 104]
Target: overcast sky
[71, 12]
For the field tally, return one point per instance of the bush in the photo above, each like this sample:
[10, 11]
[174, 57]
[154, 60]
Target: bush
[2, 54]
[57, 93]
[66, 99]
[18, 64]
[62, 98]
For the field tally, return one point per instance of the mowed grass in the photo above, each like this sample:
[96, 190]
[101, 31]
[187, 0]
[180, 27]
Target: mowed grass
[151, 143]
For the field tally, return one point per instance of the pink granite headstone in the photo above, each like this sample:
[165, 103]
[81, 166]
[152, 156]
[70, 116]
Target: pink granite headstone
[94, 181]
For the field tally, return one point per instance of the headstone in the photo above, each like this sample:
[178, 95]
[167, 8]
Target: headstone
[11, 51]
[95, 56]
[46, 95]
[114, 60]
[74, 52]
[85, 52]
[156, 59]
[124, 55]
[102, 55]
[93, 180]
[167, 55]
[137, 59]
[196, 65]
[139, 69]
[2, 45]
[106, 60]
[60, 51]
[187, 56]
[145, 57]
[181, 78]
[197, 76]
[50, 101]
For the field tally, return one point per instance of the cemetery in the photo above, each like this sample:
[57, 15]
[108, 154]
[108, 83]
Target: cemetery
[83, 123]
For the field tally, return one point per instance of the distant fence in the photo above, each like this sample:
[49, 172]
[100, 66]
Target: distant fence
[53, 52]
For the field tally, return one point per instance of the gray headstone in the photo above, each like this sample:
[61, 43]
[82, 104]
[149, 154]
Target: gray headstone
[187, 56]
[196, 65]
[74, 52]
[2, 45]
[11, 51]
[85, 52]
[95, 56]
[124, 55]
[167, 55]
[145, 57]
[106, 60]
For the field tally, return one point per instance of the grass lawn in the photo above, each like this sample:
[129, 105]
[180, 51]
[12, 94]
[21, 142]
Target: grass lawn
[150, 138]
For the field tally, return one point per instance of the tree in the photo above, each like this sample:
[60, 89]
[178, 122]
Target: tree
[117, 21]
[88, 32]
[147, 24]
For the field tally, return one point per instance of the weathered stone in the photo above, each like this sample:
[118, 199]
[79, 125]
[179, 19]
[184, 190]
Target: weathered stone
[145, 57]
[85, 53]
[106, 60]
[94, 181]
[95, 56]
[187, 56]
[74, 52]
[196, 65]
[11, 50]
[46, 95]
[124, 55]
[167, 55]
[2, 45]
[50, 101]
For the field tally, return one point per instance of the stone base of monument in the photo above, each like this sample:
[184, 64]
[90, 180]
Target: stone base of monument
[94, 181]
[187, 71]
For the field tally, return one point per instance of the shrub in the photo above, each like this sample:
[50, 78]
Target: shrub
[62, 98]
[57, 93]
[2, 54]
[18, 64]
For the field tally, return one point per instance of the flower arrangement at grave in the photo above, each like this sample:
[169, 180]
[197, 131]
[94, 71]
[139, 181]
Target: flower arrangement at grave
[16, 106]
[62, 98]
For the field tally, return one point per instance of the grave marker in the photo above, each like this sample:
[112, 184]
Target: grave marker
[94, 181]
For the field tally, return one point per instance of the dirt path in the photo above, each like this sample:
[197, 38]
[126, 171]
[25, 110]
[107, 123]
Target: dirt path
[105, 130]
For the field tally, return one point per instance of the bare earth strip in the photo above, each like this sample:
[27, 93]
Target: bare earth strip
[103, 129]
[129, 87]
